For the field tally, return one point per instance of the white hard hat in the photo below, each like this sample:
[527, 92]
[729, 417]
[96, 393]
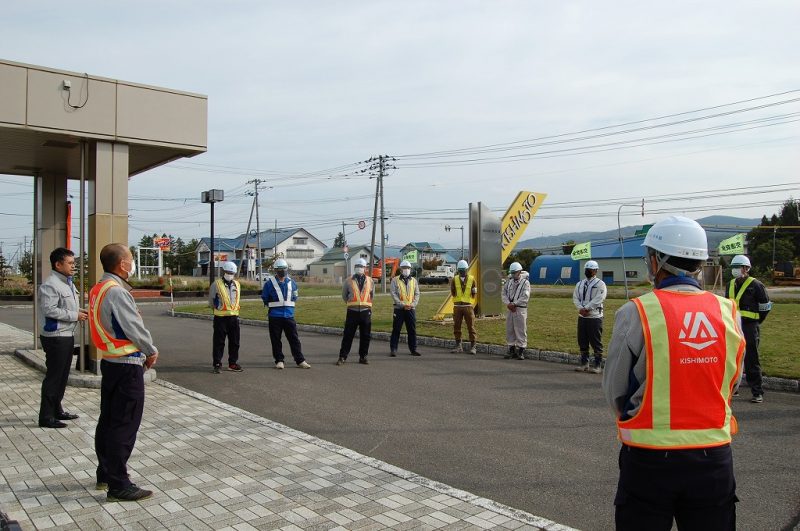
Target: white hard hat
[678, 236]
[462, 264]
[280, 263]
[229, 267]
[361, 262]
[405, 263]
[591, 264]
[514, 267]
[740, 260]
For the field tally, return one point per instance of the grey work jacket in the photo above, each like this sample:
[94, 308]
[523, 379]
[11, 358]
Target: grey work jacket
[394, 289]
[347, 294]
[590, 294]
[58, 306]
[120, 316]
[517, 292]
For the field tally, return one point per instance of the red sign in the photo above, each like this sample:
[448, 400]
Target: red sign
[163, 243]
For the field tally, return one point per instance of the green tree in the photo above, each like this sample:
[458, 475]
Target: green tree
[3, 270]
[26, 265]
[339, 241]
[525, 257]
[769, 233]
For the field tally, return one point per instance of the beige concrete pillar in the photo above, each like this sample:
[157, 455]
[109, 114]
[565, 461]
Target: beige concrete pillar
[52, 222]
[107, 175]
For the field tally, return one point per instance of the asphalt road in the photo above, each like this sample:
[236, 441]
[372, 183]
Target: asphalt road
[532, 435]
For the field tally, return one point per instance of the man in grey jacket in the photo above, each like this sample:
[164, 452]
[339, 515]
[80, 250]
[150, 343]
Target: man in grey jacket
[588, 297]
[405, 295]
[59, 313]
[127, 351]
[516, 295]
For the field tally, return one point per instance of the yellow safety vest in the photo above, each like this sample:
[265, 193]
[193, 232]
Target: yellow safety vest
[737, 297]
[363, 297]
[694, 352]
[463, 295]
[228, 307]
[103, 340]
[406, 294]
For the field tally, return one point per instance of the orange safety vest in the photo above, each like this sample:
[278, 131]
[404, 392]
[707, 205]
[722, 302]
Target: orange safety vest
[406, 295]
[104, 340]
[463, 294]
[362, 298]
[694, 349]
[228, 307]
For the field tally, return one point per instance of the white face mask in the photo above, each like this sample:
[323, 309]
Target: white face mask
[132, 270]
[405, 272]
[359, 270]
[736, 272]
[228, 276]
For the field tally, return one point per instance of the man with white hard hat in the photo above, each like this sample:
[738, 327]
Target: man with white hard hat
[753, 301]
[280, 295]
[223, 296]
[464, 289]
[588, 298]
[357, 292]
[673, 364]
[515, 295]
[405, 295]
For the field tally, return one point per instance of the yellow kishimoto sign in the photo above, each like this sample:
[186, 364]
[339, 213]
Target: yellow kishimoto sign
[732, 245]
[513, 226]
[582, 251]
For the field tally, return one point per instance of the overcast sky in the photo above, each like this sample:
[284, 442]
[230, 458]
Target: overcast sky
[298, 87]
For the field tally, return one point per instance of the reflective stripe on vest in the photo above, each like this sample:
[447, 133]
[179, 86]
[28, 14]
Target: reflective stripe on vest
[463, 295]
[103, 340]
[406, 292]
[694, 354]
[737, 297]
[224, 294]
[281, 301]
[363, 298]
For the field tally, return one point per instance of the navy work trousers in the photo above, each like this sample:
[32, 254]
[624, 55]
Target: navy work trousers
[58, 360]
[288, 326]
[752, 366]
[400, 317]
[226, 326]
[694, 487]
[121, 407]
[361, 321]
[590, 332]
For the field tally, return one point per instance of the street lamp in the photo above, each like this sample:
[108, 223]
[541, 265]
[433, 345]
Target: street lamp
[448, 228]
[211, 197]
[622, 243]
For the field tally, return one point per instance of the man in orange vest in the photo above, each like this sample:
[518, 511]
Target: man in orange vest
[127, 350]
[405, 295]
[357, 291]
[223, 296]
[673, 364]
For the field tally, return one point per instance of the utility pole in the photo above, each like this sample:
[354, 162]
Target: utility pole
[259, 262]
[245, 250]
[374, 221]
[381, 172]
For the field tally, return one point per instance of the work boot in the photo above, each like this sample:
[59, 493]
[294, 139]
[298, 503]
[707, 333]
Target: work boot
[363, 361]
[457, 348]
[130, 493]
[510, 353]
[520, 353]
[393, 353]
[582, 367]
[473, 348]
[340, 361]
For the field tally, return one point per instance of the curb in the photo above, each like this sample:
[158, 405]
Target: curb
[769, 382]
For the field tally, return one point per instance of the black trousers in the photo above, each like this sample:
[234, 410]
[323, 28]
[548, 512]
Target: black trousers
[226, 326]
[361, 321]
[696, 488]
[58, 360]
[401, 316]
[752, 366]
[121, 407]
[590, 332]
[288, 326]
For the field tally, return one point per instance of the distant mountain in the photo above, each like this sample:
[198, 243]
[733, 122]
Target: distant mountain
[717, 227]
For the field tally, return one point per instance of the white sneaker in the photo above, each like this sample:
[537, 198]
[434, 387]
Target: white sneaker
[279, 365]
[474, 349]
[304, 365]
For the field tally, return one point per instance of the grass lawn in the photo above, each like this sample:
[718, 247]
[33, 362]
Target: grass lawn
[551, 324]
